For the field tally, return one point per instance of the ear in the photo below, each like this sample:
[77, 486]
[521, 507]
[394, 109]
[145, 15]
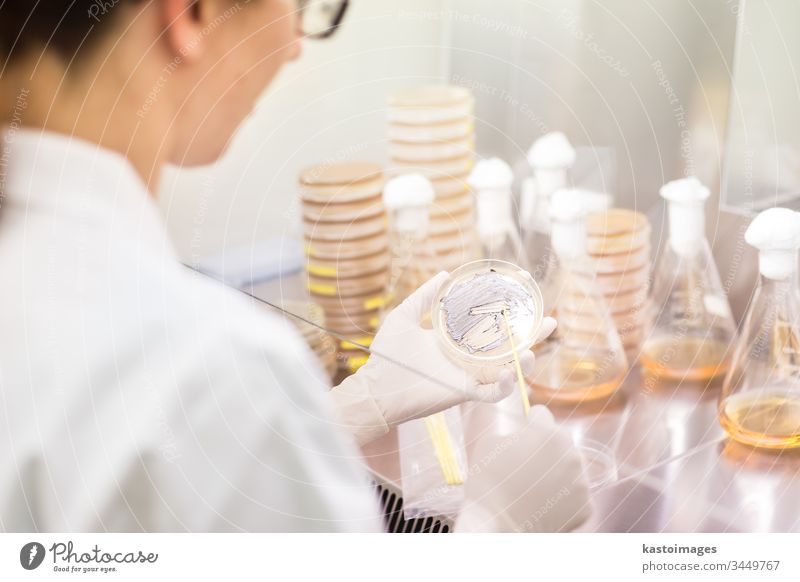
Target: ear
[183, 27]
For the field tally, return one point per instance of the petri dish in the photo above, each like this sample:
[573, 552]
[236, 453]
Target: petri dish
[452, 205]
[351, 287]
[341, 182]
[367, 302]
[435, 170]
[462, 222]
[622, 262]
[346, 248]
[430, 105]
[618, 243]
[626, 301]
[344, 212]
[468, 312]
[609, 283]
[354, 229]
[599, 463]
[345, 268]
[451, 185]
[435, 132]
[615, 222]
[441, 150]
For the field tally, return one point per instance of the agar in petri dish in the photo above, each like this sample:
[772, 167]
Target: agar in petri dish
[478, 305]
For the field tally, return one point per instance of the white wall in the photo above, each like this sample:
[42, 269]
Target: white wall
[328, 105]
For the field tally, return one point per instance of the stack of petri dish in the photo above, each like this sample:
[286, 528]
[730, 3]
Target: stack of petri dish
[618, 242]
[322, 344]
[347, 251]
[432, 132]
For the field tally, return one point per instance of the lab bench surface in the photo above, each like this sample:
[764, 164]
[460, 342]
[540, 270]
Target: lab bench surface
[675, 469]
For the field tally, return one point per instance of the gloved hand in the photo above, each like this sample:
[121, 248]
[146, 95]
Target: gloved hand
[383, 393]
[530, 481]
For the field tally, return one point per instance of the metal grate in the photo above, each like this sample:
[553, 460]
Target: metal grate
[394, 519]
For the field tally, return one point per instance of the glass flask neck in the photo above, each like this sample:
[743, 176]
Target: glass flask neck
[527, 204]
[781, 287]
[569, 239]
[411, 222]
[776, 266]
[494, 211]
[687, 228]
[548, 180]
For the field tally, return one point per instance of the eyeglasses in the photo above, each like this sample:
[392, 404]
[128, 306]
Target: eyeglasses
[321, 18]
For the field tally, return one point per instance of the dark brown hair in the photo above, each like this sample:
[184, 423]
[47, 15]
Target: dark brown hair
[67, 26]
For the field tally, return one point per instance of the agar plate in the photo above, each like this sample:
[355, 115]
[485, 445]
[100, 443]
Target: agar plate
[474, 309]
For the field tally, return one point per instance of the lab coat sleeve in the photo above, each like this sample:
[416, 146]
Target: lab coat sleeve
[357, 410]
[258, 448]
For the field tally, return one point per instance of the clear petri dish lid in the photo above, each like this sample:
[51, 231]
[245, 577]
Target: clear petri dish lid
[430, 96]
[598, 462]
[468, 312]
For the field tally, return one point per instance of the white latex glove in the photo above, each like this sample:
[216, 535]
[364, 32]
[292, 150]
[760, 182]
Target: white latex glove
[382, 394]
[531, 481]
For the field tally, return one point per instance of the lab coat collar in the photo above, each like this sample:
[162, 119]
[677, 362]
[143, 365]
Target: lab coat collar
[69, 178]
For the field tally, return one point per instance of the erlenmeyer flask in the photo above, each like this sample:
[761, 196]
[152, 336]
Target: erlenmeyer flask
[413, 260]
[584, 359]
[760, 400]
[491, 180]
[431, 487]
[692, 327]
[550, 157]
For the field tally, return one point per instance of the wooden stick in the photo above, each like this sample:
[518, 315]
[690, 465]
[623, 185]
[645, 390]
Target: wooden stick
[523, 390]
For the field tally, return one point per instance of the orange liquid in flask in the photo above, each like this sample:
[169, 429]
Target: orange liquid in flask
[687, 358]
[769, 419]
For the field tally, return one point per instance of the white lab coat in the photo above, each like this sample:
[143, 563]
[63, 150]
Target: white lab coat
[134, 394]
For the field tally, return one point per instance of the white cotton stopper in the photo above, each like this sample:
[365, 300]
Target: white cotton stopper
[527, 204]
[491, 179]
[550, 157]
[593, 201]
[551, 151]
[409, 197]
[776, 235]
[686, 200]
[491, 174]
[548, 180]
[567, 215]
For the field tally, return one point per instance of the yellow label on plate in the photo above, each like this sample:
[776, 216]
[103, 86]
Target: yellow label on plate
[321, 271]
[376, 302]
[321, 289]
[356, 343]
[355, 362]
[374, 322]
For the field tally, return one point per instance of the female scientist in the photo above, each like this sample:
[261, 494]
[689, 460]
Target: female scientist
[134, 394]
